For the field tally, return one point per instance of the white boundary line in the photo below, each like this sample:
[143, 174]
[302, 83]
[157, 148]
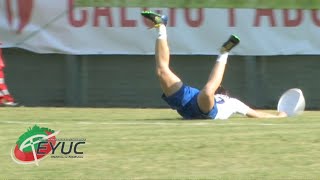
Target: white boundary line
[21, 122]
[183, 123]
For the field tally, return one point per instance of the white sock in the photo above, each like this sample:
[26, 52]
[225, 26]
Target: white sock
[162, 32]
[223, 58]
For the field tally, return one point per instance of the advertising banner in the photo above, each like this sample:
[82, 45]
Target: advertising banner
[59, 27]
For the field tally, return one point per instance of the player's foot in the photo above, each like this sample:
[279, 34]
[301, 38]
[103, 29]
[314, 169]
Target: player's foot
[9, 104]
[157, 19]
[232, 42]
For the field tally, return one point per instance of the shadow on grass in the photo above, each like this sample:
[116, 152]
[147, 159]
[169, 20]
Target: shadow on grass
[152, 119]
[165, 119]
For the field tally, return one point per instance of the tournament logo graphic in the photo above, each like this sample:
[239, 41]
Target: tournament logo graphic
[30, 147]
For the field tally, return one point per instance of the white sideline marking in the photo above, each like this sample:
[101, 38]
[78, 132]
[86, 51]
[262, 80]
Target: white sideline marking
[86, 123]
[22, 122]
[162, 123]
[195, 124]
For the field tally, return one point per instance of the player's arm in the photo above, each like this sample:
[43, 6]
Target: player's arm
[258, 114]
[243, 109]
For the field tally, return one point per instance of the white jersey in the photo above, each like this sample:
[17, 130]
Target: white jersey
[228, 106]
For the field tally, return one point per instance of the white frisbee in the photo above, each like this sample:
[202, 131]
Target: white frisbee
[292, 102]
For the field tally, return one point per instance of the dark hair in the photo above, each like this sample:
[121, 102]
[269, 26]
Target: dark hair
[222, 90]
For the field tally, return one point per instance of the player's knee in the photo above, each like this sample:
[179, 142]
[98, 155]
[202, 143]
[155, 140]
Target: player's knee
[207, 93]
[207, 97]
[161, 72]
[205, 100]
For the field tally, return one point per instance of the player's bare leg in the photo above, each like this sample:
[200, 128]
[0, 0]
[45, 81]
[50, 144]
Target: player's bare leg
[6, 98]
[169, 82]
[206, 95]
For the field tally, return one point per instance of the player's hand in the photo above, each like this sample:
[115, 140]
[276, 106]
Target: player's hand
[282, 114]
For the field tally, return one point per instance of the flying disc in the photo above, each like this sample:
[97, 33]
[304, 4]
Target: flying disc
[292, 102]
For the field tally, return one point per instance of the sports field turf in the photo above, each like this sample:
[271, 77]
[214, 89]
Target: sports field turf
[157, 144]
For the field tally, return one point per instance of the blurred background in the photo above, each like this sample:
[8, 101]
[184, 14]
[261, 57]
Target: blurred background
[56, 54]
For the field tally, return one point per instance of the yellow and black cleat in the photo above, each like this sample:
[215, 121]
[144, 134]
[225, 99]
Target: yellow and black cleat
[156, 18]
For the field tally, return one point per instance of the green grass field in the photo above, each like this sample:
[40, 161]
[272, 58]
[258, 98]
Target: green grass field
[157, 144]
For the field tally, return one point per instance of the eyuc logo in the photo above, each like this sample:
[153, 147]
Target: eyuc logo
[38, 143]
[25, 151]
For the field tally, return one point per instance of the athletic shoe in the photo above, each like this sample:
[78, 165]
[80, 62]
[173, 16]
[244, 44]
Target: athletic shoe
[157, 19]
[6, 103]
[232, 42]
[9, 104]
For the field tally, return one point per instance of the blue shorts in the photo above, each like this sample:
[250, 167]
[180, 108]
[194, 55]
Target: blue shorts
[185, 102]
